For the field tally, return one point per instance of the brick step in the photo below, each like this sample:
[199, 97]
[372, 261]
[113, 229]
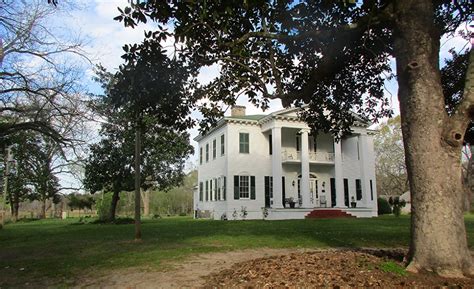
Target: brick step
[329, 214]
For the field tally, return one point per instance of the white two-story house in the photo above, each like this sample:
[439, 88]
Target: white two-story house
[270, 166]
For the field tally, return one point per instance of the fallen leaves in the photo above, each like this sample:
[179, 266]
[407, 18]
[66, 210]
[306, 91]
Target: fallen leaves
[330, 268]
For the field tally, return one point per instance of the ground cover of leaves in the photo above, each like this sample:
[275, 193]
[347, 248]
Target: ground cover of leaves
[330, 268]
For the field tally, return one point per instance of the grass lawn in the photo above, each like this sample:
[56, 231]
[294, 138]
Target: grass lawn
[59, 250]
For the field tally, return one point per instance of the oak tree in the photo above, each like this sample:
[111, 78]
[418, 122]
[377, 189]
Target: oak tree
[333, 57]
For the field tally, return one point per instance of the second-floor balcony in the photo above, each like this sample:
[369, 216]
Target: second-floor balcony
[290, 156]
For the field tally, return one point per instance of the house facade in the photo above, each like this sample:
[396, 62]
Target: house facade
[270, 166]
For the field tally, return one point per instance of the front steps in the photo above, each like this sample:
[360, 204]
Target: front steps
[328, 214]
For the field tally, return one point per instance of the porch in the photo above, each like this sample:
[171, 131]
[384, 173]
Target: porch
[302, 213]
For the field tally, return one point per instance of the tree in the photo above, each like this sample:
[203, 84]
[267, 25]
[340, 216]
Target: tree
[333, 57]
[149, 84]
[40, 70]
[40, 172]
[80, 202]
[110, 164]
[390, 166]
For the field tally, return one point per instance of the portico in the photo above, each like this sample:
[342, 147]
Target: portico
[314, 168]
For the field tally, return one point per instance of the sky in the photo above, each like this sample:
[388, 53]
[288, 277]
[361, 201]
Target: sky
[104, 38]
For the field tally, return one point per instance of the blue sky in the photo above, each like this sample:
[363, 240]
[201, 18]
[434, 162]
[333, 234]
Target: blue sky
[105, 37]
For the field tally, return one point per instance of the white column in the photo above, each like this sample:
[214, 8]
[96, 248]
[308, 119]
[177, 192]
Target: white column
[338, 175]
[277, 170]
[364, 170]
[305, 169]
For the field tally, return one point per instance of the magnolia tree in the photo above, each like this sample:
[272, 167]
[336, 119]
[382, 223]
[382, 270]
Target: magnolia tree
[333, 56]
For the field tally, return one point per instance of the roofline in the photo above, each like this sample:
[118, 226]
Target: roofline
[359, 122]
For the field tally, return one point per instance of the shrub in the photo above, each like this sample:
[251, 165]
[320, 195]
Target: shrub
[383, 207]
[183, 214]
[397, 205]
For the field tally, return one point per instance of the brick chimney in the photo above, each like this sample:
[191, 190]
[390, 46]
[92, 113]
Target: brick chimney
[237, 110]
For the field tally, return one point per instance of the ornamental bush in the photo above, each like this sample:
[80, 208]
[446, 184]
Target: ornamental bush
[383, 207]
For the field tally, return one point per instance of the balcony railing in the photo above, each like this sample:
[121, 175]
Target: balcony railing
[323, 157]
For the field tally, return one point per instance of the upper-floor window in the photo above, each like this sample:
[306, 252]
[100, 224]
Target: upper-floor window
[244, 143]
[200, 155]
[214, 148]
[222, 145]
[207, 152]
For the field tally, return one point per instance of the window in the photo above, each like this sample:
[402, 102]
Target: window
[207, 191]
[244, 143]
[200, 191]
[371, 191]
[358, 189]
[270, 145]
[207, 152]
[200, 155]
[214, 148]
[222, 145]
[219, 189]
[244, 187]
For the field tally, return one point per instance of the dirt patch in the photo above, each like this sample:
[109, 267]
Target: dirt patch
[278, 268]
[190, 273]
[330, 268]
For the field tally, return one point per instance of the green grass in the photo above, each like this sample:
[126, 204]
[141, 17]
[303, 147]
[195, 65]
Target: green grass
[392, 267]
[60, 250]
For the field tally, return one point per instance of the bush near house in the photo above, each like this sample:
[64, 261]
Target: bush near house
[383, 207]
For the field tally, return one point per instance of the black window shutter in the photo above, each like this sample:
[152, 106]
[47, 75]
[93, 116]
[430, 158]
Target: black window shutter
[358, 189]
[224, 189]
[267, 184]
[252, 187]
[283, 190]
[236, 188]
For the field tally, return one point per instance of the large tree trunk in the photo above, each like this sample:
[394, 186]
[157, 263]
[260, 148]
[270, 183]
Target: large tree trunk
[113, 205]
[433, 141]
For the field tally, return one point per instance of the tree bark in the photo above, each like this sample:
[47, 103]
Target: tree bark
[433, 141]
[113, 205]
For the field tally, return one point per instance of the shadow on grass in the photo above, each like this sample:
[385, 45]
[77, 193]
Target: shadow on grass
[57, 250]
